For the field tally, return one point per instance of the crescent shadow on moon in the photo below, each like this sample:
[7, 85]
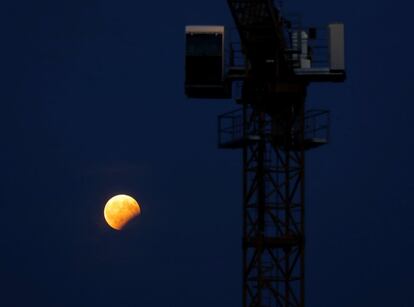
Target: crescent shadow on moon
[121, 209]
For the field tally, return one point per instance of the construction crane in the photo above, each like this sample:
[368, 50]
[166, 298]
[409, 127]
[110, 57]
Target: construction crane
[274, 130]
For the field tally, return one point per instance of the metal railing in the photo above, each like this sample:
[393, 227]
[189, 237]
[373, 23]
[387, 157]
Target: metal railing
[230, 127]
[316, 40]
[232, 132]
[317, 124]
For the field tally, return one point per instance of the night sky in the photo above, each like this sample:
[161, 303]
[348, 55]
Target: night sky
[92, 104]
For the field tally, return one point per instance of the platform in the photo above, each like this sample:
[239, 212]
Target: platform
[232, 134]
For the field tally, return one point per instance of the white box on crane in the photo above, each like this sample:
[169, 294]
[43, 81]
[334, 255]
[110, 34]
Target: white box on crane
[337, 47]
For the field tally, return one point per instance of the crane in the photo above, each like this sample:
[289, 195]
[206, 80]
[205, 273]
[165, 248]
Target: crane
[274, 130]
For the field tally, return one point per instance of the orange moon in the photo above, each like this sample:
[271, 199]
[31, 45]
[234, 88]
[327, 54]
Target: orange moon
[121, 209]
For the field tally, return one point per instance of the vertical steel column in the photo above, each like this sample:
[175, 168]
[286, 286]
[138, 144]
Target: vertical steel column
[273, 204]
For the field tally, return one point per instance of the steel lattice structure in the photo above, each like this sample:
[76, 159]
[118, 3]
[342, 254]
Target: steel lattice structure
[273, 165]
[273, 206]
[274, 129]
[274, 136]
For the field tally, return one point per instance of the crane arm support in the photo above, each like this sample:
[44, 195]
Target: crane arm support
[260, 28]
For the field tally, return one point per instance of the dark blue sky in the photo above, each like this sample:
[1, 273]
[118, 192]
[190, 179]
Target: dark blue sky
[92, 104]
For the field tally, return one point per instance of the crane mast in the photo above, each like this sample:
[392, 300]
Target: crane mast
[273, 162]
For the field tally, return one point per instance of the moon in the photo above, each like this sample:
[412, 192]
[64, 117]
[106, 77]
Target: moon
[121, 209]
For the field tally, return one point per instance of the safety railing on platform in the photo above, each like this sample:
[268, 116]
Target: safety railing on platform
[307, 47]
[230, 128]
[232, 132]
[317, 125]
